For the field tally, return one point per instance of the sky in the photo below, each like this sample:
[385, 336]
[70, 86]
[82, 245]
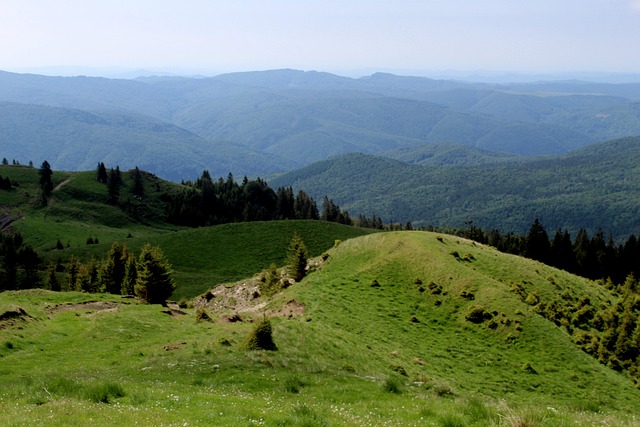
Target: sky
[341, 36]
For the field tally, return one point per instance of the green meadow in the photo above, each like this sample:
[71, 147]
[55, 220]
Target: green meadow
[384, 339]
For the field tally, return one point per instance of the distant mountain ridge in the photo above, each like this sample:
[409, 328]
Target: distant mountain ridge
[275, 121]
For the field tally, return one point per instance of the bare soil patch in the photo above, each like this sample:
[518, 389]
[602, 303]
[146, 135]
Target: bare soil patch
[90, 305]
[14, 317]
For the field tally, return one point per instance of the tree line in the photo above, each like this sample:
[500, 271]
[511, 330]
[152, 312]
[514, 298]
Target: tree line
[208, 202]
[19, 263]
[147, 276]
[594, 257]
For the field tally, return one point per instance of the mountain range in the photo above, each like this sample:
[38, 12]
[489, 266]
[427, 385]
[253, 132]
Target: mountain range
[263, 123]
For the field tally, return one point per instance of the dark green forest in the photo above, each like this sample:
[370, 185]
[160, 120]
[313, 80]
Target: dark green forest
[591, 188]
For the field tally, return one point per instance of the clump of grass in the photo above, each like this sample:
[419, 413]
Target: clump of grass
[61, 386]
[451, 420]
[104, 392]
[528, 368]
[477, 412]
[305, 416]
[443, 390]
[393, 385]
[292, 384]
[526, 417]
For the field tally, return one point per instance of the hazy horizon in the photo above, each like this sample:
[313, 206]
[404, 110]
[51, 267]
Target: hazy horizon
[453, 39]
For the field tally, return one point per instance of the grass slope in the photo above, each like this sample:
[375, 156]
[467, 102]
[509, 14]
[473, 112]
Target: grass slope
[113, 361]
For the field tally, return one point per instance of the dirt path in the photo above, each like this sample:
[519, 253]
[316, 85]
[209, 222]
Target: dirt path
[62, 184]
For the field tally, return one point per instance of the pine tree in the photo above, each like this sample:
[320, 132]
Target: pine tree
[153, 283]
[113, 186]
[87, 280]
[71, 272]
[130, 275]
[297, 258]
[138, 186]
[53, 283]
[537, 243]
[101, 174]
[112, 271]
[46, 185]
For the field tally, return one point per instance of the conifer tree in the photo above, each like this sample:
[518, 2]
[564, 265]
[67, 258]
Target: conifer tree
[153, 283]
[71, 273]
[112, 271]
[297, 258]
[101, 174]
[53, 284]
[46, 185]
[130, 275]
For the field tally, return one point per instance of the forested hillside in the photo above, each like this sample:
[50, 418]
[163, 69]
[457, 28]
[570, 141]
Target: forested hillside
[274, 121]
[595, 187]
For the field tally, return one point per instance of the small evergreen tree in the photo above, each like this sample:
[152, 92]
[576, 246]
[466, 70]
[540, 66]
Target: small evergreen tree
[138, 186]
[297, 258]
[87, 279]
[153, 283]
[53, 283]
[46, 185]
[130, 275]
[261, 337]
[101, 174]
[112, 271]
[71, 273]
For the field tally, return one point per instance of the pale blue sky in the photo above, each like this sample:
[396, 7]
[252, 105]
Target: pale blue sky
[211, 36]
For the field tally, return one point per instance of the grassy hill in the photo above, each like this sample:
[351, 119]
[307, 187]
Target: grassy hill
[201, 257]
[593, 187]
[385, 338]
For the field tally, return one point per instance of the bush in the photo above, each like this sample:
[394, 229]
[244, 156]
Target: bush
[477, 314]
[261, 337]
[225, 342]
[202, 316]
[392, 385]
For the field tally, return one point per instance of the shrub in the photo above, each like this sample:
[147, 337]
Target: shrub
[477, 314]
[261, 337]
[532, 299]
[399, 369]
[528, 368]
[202, 316]
[392, 385]
[225, 342]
